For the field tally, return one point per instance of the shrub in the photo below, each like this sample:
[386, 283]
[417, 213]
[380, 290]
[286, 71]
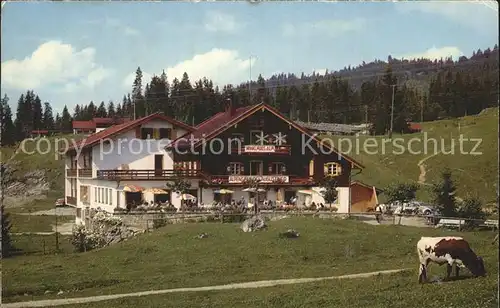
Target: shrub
[472, 208]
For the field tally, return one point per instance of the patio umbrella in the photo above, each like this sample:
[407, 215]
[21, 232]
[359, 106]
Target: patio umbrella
[188, 197]
[130, 188]
[253, 190]
[155, 191]
[224, 191]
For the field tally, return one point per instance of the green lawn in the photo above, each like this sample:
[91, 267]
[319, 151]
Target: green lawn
[172, 257]
[36, 223]
[474, 175]
[399, 290]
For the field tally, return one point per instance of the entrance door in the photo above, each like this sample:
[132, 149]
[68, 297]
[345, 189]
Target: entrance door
[158, 165]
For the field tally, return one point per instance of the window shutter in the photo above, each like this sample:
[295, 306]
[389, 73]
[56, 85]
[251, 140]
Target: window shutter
[311, 167]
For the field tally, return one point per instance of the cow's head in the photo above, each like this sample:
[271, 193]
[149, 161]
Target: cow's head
[477, 268]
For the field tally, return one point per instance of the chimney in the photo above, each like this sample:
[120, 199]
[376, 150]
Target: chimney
[230, 108]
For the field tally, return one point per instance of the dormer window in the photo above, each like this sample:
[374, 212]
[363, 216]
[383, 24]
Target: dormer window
[332, 169]
[156, 133]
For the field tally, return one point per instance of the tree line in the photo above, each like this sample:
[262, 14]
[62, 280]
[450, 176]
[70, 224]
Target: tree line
[419, 89]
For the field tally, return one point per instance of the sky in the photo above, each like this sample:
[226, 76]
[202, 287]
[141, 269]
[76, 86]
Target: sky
[73, 52]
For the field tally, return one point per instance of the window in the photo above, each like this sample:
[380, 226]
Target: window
[146, 133]
[99, 195]
[235, 168]
[277, 168]
[110, 196]
[105, 196]
[84, 194]
[256, 137]
[87, 160]
[255, 167]
[165, 133]
[95, 194]
[332, 169]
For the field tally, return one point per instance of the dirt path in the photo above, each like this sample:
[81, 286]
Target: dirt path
[421, 167]
[244, 285]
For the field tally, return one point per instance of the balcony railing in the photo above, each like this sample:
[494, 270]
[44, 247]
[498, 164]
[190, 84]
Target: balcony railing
[263, 179]
[85, 173]
[261, 149]
[70, 172]
[71, 200]
[147, 174]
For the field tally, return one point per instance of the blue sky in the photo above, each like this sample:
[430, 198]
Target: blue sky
[74, 52]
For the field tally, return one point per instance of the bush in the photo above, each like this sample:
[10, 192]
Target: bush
[472, 208]
[84, 240]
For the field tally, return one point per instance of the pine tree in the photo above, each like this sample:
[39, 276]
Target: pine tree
[7, 129]
[37, 113]
[137, 95]
[444, 195]
[101, 111]
[111, 109]
[48, 117]
[66, 120]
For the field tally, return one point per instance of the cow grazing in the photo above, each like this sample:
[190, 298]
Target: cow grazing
[450, 251]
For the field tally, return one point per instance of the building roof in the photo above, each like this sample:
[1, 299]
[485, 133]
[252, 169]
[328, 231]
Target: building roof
[124, 127]
[224, 120]
[415, 126]
[334, 127]
[84, 124]
[366, 186]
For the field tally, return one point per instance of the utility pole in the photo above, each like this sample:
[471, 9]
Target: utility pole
[366, 114]
[422, 112]
[134, 109]
[250, 81]
[308, 116]
[392, 111]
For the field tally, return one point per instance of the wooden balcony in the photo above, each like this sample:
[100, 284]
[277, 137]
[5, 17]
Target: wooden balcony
[274, 180]
[70, 172]
[71, 200]
[85, 173]
[262, 149]
[148, 174]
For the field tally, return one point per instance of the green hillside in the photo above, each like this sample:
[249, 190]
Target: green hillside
[474, 174]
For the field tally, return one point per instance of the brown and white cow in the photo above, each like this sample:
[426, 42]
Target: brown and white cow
[450, 251]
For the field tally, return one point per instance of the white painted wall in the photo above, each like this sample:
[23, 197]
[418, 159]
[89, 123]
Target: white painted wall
[126, 149]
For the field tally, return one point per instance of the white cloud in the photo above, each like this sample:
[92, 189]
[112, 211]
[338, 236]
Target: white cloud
[480, 15]
[220, 22]
[54, 64]
[434, 53]
[332, 27]
[222, 66]
[116, 24]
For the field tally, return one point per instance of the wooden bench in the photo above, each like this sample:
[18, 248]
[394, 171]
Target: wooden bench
[490, 223]
[450, 223]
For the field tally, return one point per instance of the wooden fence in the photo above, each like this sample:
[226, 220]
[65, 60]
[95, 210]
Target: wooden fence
[394, 219]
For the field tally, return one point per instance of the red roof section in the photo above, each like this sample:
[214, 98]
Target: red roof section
[223, 120]
[211, 126]
[84, 124]
[415, 126]
[121, 128]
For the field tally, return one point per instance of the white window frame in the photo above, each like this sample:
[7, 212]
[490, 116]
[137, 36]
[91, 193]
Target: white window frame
[277, 167]
[236, 168]
[332, 169]
[252, 132]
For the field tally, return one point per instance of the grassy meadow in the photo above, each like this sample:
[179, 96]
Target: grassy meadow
[173, 257]
[387, 163]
